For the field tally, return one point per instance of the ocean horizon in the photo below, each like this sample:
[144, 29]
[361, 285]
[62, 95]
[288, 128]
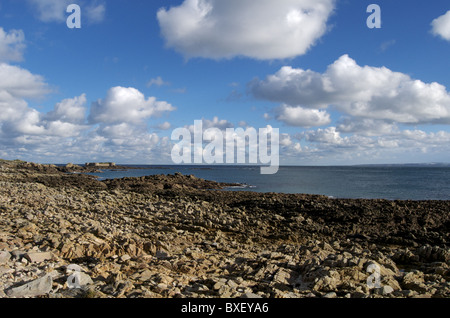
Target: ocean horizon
[373, 181]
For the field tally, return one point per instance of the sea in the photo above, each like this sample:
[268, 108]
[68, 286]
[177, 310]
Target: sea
[397, 182]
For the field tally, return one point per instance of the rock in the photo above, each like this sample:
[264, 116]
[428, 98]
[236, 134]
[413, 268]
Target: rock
[285, 277]
[161, 254]
[414, 281]
[125, 258]
[167, 236]
[39, 257]
[385, 290]
[4, 257]
[79, 280]
[330, 295]
[38, 287]
[251, 296]
[327, 281]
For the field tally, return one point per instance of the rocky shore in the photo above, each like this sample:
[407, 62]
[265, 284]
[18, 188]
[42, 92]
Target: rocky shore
[69, 235]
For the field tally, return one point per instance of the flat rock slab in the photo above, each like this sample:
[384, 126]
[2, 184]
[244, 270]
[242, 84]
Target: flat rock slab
[4, 257]
[38, 287]
[36, 257]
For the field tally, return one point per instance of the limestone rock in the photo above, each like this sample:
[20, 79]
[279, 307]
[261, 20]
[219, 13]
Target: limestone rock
[36, 257]
[38, 287]
[4, 257]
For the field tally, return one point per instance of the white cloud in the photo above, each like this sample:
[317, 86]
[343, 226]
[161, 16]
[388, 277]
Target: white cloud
[366, 127]
[165, 126]
[221, 124]
[365, 92]
[441, 26]
[12, 44]
[56, 10]
[301, 117]
[71, 110]
[263, 29]
[330, 146]
[95, 13]
[17, 85]
[325, 136]
[158, 81]
[126, 105]
[51, 10]
[20, 83]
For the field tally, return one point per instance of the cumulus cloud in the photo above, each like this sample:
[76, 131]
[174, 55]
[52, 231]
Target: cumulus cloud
[332, 146]
[20, 83]
[358, 91]
[67, 120]
[302, 117]
[441, 26]
[262, 29]
[71, 110]
[165, 126]
[118, 130]
[12, 44]
[366, 127]
[17, 85]
[126, 105]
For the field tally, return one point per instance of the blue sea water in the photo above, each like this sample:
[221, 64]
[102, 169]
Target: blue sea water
[368, 182]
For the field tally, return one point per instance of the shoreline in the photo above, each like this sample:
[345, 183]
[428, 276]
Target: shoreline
[175, 236]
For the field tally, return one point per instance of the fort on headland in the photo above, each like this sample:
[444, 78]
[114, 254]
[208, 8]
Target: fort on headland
[100, 165]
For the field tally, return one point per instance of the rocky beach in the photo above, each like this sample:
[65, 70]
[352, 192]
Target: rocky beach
[64, 234]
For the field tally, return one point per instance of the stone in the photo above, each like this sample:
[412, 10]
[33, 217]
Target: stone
[145, 275]
[218, 285]
[79, 280]
[125, 258]
[285, 277]
[385, 290]
[414, 281]
[36, 257]
[161, 254]
[5, 270]
[251, 295]
[4, 257]
[330, 295]
[38, 287]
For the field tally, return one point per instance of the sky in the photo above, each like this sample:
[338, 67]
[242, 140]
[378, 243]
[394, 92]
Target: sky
[340, 88]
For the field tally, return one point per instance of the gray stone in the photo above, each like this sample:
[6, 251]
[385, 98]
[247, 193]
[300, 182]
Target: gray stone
[4, 257]
[251, 295]
[38, 287]
[125, 258]
[36, 257]
[385, 290]
[78, 279]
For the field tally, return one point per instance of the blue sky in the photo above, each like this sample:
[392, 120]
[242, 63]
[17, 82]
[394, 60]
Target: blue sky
[115, 89]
